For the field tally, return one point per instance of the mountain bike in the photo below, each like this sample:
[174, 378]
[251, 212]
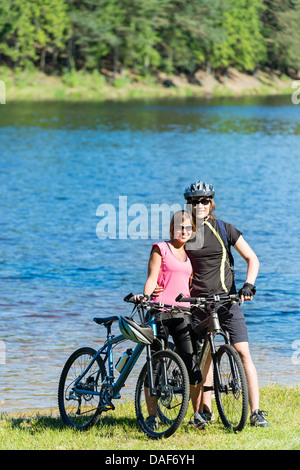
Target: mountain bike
[229, 378]
[88, 387]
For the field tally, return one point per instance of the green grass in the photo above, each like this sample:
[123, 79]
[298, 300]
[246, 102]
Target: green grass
[118, 430]
[84, 86]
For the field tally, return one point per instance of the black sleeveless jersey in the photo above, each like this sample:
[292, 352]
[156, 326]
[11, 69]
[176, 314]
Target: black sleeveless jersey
[212, 274]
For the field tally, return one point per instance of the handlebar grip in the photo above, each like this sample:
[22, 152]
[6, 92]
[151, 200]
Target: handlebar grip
[128, 297]
[181, 298]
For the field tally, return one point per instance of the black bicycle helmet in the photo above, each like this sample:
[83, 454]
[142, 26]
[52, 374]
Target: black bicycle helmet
[199, 189]
[137, 333]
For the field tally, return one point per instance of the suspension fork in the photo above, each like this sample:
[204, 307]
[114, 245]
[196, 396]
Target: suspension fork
[210, 336]
[150, 371]
[151, 384]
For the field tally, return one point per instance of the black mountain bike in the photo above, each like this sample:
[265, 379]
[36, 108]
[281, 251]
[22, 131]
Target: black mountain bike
[230, 382]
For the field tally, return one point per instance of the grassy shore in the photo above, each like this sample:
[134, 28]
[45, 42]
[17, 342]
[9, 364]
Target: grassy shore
[79, 86]
[118, 430]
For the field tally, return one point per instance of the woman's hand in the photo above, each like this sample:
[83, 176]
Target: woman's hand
[247, 292]
[141, 297]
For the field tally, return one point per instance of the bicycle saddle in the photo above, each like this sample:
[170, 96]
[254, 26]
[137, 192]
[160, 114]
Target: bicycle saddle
[106, 321]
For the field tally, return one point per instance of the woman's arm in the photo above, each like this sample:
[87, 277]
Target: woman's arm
[251, 259]
[153, 271]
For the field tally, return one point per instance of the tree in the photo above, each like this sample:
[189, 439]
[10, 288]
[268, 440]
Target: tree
[31, 28]
[281, 21]
[244, 46]
[189, 32]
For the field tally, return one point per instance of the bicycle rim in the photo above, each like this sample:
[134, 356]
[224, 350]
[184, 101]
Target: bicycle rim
[79, 409]
[172, 397]
[232, 394]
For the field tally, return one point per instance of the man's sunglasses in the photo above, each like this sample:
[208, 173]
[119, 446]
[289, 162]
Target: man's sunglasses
[204, 201]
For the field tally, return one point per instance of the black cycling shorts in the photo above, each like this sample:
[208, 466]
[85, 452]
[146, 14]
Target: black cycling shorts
[231, 319]
[180, 327]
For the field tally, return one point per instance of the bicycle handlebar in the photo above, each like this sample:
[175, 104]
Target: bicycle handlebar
[195, 301]
[202, 301]
[147, 303]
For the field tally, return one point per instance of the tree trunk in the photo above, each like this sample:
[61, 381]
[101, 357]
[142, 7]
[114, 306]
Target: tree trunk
[43, 60]
[116, 57]
[70, 53]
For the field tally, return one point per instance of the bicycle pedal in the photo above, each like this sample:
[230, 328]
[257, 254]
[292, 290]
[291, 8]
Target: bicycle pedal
[109, 407]
[107, 403]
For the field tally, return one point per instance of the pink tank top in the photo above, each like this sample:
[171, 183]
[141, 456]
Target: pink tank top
[174, 276]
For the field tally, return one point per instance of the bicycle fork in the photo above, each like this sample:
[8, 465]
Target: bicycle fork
[209, 345]
[160, 371]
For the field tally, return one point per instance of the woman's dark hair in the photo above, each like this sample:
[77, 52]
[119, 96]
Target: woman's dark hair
[178, 218]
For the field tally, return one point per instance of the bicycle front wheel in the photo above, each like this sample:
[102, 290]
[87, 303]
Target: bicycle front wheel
[231, 391]
[79, 408]
[168, 407]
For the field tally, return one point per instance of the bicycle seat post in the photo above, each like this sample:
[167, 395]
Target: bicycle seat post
[215, 321]
[108, 330]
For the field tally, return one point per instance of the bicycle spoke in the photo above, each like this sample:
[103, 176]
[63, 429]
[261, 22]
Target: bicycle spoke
[170, 404]
[78, 407]
[232, 392]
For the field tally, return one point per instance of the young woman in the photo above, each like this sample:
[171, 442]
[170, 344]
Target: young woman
[170, 268]
[212, 275]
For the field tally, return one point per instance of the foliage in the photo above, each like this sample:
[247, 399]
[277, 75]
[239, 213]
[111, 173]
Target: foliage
[281, 22]
[28, 29]
[244, 45]
[146, 36]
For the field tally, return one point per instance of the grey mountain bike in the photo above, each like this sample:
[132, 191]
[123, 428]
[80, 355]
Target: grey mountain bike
[88, 386]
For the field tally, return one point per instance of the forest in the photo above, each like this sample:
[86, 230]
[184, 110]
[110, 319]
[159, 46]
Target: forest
[146, 36]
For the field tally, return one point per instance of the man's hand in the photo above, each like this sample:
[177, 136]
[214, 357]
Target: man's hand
[157, 291]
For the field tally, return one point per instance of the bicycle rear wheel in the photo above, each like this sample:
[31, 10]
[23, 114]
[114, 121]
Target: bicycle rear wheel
[80, 409]
[172, 399]
[232, 393]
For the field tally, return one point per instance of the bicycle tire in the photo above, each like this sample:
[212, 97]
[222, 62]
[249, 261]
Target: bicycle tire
[80, 411]
[232, 401]
[173, 396]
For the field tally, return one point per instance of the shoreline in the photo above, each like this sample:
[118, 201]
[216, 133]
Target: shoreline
[80, 86]
[54, 411]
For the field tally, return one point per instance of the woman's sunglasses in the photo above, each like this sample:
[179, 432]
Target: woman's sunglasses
[188, 228]
[204, 201]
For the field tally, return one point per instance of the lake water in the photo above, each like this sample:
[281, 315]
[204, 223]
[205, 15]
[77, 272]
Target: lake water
[60, 162]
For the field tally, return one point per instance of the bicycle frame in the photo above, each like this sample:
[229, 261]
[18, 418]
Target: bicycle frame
[107, 350]
[213, 326]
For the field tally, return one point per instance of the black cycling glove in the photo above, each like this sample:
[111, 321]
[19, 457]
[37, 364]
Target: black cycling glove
[248, 290]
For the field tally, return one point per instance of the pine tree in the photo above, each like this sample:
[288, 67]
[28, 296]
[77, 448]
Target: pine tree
[31, 28]
[244, 46]
[281, 20]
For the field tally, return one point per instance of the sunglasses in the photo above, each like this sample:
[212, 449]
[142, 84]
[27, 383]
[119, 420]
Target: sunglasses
[204, 201]
[188, 228]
